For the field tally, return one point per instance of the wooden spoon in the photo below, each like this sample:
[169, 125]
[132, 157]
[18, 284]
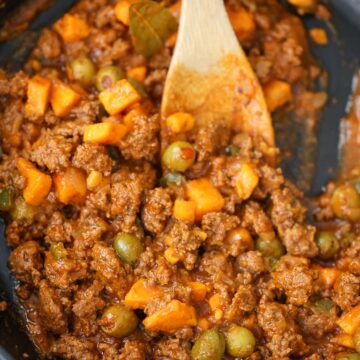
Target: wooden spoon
[211, 78]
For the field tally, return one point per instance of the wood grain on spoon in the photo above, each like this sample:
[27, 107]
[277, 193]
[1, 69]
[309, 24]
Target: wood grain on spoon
[211, 78]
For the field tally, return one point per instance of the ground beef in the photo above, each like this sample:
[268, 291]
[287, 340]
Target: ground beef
[254, 218]
[346, 291]
[51, 310]
[92, 157]
[156, 210]
[110, 271]
[216, 225]
[88, 302]
[52, 151]
[288, 215]
[171, 349]
[125, 194]
[251, 261]
[280, 330]
[185, 240]
[64, 273]
[71, 347]
[133, 350]
[26, 262]
[58, 230]
[296, 282]
[142, 141]
[49, 45]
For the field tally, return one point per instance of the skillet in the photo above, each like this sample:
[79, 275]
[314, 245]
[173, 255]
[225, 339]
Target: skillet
[340, 59]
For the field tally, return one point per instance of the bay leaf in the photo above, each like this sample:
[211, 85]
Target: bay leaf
[151, 23]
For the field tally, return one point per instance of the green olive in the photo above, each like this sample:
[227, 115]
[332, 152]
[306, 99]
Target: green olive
[210, 345]
[322, 306]
[345, 203]
[58, 251]
[22, 210]
[231, 150]
[347, 356]
[357, 340]
[273, 249]
[6, 199]
[118, 321]
[179, 156]
[83, 70]
[108, 76]
[128, 247]
[240, 342]
[327, 243]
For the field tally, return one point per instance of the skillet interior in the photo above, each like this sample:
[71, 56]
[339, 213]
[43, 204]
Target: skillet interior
[340, 58]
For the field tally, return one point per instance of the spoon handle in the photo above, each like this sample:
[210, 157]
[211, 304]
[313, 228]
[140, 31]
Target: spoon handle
[205, 34]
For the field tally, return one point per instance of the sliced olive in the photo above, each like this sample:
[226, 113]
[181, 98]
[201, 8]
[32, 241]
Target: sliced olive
[210, 345]
[240, 342]
[83, 70]
[108, 76]
[6, 199]
[118, 321]
[179, 156]
[327, 243]
[273, 248]
[128, 247]
[345, 203]
[322, 306]
[231, 150]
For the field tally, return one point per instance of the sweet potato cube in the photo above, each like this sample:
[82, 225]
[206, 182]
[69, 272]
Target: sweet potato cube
[350, 321]
[246, 181]
[141, 294]
[205, 196]
[344, 340]
[119, 96]
[106, 133]
[243, 23]
[138, 73]
[198, 290]
[63, 99]
[38, 94]
[184, 210]
[277, 93]
[122, 11]
[38, 184]
[180, 122]
[172, 317]
[70, 186]
[72, 28]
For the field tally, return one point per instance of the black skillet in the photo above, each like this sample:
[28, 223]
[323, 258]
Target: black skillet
[340, 58]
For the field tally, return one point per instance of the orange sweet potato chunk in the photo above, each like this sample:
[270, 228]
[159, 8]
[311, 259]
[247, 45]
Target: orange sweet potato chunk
[119, 96]
[141, 294]
[63, 98]
[38, 184]
[172, 317]
[72, 28]
[38, 94]
[107, 133]
[70, 186]
[205, 196]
